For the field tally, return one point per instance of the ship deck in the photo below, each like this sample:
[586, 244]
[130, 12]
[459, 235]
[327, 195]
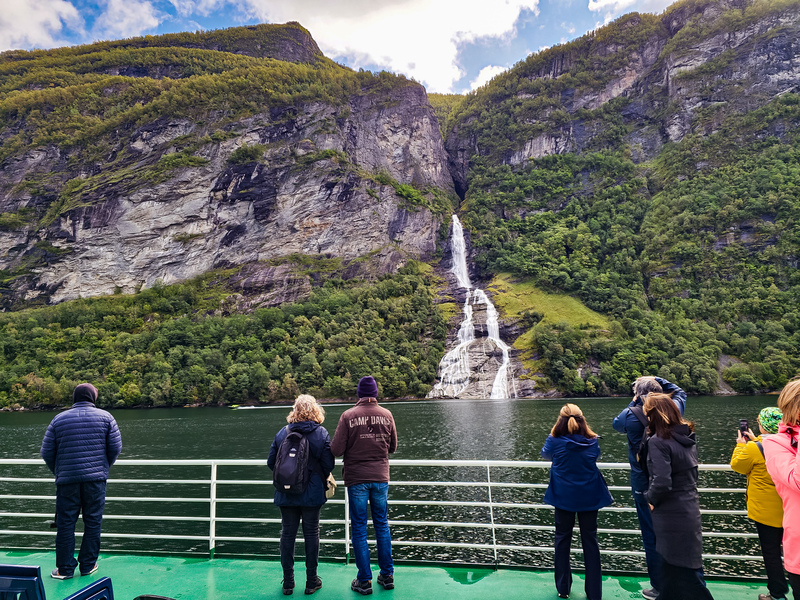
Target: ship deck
[244, 579]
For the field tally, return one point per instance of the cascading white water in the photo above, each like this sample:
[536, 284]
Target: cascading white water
[500, 385]
[454, 369]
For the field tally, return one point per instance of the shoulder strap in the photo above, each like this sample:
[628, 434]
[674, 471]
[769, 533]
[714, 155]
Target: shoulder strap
[638, 412]
[761, 447]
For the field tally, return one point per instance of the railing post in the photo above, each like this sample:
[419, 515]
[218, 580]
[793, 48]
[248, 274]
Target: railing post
[491, 512]
[346, 527]
[212, 517]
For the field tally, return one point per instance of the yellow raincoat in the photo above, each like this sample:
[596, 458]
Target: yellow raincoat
[764, 505]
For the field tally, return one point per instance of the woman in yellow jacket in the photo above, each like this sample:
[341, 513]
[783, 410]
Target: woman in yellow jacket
[764, 505]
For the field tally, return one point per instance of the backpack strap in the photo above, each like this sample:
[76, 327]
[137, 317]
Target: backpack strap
[761, 447]
[638, 412]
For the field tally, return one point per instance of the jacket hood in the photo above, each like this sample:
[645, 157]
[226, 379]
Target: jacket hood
[683, 435]
[578, 442]
[304, 427]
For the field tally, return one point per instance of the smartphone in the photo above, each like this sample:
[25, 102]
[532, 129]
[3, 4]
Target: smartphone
[743, 428]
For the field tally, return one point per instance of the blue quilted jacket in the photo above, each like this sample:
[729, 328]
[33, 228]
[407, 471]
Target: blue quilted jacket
[81, 443]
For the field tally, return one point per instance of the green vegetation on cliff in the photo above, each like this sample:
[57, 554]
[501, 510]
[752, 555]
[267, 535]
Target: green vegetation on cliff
[170, 345]
[693, 257]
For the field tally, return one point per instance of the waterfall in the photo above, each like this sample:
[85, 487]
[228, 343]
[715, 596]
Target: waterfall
[454, 369]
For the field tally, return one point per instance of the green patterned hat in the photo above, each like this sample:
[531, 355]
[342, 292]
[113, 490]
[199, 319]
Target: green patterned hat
[769, 418]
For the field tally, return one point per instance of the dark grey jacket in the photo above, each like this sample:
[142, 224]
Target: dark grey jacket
[81, 443]
[672, 464]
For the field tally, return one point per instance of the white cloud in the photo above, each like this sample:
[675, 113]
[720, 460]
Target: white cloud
[617, 7]
[126, 18]
[485, 75]
[570, 28]
[610, 5]
[420, 38]
[203, 8]
[36, 23]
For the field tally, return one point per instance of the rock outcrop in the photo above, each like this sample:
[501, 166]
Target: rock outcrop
[322, 182]
[696, 63]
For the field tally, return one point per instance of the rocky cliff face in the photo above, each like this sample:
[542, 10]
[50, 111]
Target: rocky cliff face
[320, 180]
[698, 63]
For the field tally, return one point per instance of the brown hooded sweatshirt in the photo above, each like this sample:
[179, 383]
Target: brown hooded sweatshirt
[365, 436]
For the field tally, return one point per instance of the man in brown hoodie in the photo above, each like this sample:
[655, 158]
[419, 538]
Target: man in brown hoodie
[365, 436]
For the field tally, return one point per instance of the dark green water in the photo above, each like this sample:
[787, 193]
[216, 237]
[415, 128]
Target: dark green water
[488, 429]
[468, 429]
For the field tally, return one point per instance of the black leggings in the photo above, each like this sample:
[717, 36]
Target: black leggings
[290, 521]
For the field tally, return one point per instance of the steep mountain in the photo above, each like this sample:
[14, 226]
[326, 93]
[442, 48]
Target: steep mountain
[111, 183]
[649, 169]
[251, 219]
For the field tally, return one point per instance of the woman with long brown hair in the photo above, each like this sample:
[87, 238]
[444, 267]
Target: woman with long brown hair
[576, 487]
[674, 500]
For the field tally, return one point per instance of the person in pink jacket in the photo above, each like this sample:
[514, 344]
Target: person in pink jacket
[783, 465]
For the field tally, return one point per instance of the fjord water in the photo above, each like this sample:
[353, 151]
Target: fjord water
[429, 429]
[448, 429]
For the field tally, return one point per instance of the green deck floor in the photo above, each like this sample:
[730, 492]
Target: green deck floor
[239, 579]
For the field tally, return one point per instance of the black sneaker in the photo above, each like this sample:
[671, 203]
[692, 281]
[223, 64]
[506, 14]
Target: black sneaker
[362, 587]
[313, 586]
[387, 582]
[288, 587]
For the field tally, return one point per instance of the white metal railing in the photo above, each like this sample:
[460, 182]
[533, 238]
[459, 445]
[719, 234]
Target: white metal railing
[207, 492]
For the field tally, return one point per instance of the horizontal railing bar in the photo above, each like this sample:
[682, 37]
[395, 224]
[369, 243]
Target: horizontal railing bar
[176, 481]
[394, 462]
[155, 499]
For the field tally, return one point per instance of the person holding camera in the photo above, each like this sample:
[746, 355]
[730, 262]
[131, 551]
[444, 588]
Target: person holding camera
[632, 422]
[764, 505]
[783, 466]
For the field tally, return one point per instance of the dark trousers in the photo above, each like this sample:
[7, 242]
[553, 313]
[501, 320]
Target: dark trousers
[587, 521]
[771, 539]
[794, 579]
[682, 583]
[87, 498]
[652, 557]
[290, 521]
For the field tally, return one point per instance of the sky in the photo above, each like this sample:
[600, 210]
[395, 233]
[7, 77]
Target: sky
[450, 46]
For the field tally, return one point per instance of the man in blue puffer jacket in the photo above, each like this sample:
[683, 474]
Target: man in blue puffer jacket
[79, 446]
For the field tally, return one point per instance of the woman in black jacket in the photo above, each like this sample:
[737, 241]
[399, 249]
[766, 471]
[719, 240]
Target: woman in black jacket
[306, 417]
[672, 494]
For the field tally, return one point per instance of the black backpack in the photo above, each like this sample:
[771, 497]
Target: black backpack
[290, 474]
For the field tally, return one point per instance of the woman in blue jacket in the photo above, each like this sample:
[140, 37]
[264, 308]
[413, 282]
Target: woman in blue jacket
[576, 486]
[306, 417]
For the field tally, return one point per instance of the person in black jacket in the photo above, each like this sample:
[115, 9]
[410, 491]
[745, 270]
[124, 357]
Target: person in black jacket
[674, 500]
[306, 417]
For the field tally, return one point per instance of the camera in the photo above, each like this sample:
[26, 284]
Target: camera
[743, 428]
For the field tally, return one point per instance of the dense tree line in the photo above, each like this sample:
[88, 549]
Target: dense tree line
[168, 345]
[694, 256]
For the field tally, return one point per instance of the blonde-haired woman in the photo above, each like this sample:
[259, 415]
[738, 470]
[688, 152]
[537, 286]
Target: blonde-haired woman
[784, 468]
[674, 500]
[576, 486]
[306, 418]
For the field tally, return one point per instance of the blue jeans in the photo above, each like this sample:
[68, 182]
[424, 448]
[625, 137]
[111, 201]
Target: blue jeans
[652, 557]
[89, 498]
[376, 495]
